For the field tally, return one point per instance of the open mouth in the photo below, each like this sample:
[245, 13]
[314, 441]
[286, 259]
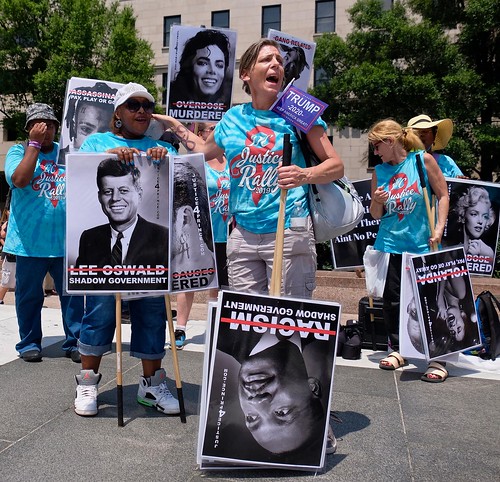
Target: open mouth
[117, 209]
[273, 79]
[209, 82]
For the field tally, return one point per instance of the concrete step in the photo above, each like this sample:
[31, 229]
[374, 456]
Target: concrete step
[347, 288]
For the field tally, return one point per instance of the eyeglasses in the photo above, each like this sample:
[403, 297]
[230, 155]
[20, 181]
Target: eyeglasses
[376, 145]
[134, 105]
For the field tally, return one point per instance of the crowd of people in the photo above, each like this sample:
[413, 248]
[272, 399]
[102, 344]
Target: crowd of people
[243, 194]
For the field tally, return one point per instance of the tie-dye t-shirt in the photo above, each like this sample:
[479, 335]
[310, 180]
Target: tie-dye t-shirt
[37, 219]
[253, 144]
[447, 165]
[218, 193]
[102, 141]
[404, 225]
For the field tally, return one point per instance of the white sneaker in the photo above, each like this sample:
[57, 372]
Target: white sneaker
[86, 393]
[331, 442]
[153, 392]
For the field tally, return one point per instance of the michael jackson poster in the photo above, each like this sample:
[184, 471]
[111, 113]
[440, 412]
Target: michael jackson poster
[201, 70]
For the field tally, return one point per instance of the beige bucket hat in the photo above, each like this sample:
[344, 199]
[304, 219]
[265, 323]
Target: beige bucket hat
[444, 129]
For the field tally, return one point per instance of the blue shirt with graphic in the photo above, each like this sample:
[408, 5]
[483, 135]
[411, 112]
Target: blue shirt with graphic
[38, 211]
[253, 144]
[102, 141]
[404, 225]
[218, 192]
[447, 165]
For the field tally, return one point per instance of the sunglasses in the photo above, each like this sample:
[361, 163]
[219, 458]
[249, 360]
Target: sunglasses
[208, 129]
[134, 105]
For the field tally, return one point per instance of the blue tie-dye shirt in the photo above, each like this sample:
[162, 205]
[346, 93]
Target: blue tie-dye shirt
[218, 192]
[253, 144]
[38, 211]
[404, 225]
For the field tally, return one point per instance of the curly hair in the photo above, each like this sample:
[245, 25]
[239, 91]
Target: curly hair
[203, 39]
[469, 199]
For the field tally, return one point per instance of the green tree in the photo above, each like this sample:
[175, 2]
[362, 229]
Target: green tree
[397, 64]
[43, 43]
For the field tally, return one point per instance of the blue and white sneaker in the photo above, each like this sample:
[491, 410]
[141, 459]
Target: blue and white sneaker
[180, 339]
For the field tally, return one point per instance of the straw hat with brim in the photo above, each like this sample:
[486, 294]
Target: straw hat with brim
[444, 129]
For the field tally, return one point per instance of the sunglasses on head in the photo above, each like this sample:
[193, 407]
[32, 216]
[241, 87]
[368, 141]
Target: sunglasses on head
[134, 105]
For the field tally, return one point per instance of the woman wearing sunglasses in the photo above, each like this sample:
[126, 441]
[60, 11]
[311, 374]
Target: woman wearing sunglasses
[134, 107]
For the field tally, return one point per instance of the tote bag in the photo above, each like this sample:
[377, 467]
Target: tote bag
[335, 207]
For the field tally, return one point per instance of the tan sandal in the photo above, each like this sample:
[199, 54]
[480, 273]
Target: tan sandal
[437, 369]
[392, 361]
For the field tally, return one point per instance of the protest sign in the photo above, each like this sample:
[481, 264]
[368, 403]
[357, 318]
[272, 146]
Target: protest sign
[104, 198]
[298, 107]
[270, 383]
[473, 222]
[411, 344]
[88, 108]
[444, 303]
[192, 258]
[298, 58]
[201, 70]
[348, 249]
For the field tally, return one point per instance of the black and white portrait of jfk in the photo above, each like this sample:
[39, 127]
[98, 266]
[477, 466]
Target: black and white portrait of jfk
[127, 239]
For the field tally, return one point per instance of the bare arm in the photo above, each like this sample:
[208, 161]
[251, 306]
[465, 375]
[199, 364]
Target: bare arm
[24, 171]
[330, 168]
[379, 198]
[440, 189]
[189, 139]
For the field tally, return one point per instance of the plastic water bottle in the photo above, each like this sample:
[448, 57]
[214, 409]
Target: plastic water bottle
[298, 220]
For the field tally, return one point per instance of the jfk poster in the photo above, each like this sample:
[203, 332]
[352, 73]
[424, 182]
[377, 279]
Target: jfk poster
[473, 222]
[442, 305]
[348, 249]
[106, 198]
[88, 108]
[270, 382]
[192, 249]
[200, 72]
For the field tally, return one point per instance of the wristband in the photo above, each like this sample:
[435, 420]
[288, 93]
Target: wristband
[35, 144]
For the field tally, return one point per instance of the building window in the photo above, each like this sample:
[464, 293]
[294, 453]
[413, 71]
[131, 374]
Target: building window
[167, 23]
[271, 18]
[320, 76]
[220, 19]
[387, 4]
[325, 16]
